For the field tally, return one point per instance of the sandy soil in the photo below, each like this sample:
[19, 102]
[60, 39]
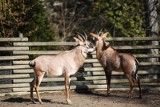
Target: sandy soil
[86, 99]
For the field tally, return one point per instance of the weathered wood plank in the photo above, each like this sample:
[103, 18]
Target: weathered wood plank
[149, 63]
[62, 88]
[47, 52]
[18, 57]
[147, 55]
[91, 60]
[109, 39]
[44, 43]
[137, 47]
[141, 72]
[13, 48]
[140, 64]
[22, 62]
[13, 39]
[14, 76]
[112, 81]
[94, 69]
[23, 71]
[116, 81]
[14, 85]
[140, 55]
[55, 79]
[11, 67]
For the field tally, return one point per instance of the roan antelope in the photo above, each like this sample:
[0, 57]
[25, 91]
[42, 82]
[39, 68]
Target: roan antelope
[66, 63]
[111, 60]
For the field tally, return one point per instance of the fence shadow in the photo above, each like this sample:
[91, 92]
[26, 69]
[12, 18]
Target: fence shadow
[21, 100]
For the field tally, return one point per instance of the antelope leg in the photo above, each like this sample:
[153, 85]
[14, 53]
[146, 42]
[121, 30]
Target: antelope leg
[139, 85]
[108, 80]
[38, 82]
[131, 85]
[67, 87]
[32, 84]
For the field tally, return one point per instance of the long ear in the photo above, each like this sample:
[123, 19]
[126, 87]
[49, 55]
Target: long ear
[94, 35]
[76, 39]
[105, 34]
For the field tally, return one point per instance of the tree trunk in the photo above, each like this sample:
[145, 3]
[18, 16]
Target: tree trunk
[152, 29]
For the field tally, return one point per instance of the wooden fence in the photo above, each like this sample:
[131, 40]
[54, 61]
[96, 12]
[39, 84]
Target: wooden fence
[15, 74]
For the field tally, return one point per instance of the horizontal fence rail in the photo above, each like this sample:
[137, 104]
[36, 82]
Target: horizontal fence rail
[133, 39]
[16, 74]
[13, 39]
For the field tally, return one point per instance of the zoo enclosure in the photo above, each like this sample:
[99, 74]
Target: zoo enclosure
[16, 74]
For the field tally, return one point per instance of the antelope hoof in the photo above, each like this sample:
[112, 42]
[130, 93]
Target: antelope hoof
[40, 102]
[69, 102]
[33, 101]
[129, 96]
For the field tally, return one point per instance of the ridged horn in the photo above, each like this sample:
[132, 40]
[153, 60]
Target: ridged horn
[81, 36]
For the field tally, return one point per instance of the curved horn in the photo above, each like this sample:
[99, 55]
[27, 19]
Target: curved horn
[81, 36]
[85, 35]
[100, 32]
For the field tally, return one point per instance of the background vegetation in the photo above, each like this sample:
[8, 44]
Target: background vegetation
[59, 20]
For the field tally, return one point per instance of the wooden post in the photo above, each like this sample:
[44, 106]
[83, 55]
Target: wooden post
[21, 35]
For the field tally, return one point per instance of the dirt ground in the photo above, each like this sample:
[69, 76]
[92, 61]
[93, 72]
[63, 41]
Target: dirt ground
[86, 99]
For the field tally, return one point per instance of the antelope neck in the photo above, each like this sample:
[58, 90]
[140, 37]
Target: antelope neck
[100, 49]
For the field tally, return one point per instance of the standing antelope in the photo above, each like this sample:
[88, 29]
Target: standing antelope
[66, 63]
[113, 60]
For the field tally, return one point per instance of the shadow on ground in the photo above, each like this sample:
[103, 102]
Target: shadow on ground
[21, 100]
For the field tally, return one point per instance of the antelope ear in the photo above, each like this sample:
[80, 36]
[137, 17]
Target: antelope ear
[94, 35]
[78, 42]
[76, 39]
[105, 34]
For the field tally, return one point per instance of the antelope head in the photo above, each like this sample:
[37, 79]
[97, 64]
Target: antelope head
[84, 43]
[100, 39]
[100, 43]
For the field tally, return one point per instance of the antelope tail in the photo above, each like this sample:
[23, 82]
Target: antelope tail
[135, 76]
[32, 63]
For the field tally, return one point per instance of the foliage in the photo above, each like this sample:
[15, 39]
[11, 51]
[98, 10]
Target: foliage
[24, 16]
[120, 17]
[64, 18]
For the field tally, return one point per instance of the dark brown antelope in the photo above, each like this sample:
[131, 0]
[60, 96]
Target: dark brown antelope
[111, 60]
[66, 63]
